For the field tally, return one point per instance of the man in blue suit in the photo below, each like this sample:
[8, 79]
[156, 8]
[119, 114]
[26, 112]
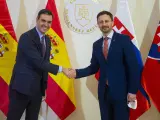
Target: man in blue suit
[30, 73]
[114, 55]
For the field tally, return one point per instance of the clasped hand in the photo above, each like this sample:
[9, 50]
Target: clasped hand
[69, 72]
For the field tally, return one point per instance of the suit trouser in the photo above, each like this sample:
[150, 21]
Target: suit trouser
[20, 102]
[116, 109]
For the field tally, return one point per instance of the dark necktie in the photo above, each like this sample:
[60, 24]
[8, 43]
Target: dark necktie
[43, 45]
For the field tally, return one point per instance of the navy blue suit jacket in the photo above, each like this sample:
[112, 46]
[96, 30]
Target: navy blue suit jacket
[31, 69]
[120, 69]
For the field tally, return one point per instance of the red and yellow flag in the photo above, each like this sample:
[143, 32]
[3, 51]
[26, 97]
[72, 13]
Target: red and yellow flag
[60, 92]
[8, 48]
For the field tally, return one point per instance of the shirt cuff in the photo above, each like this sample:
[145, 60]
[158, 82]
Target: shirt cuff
[60, 69]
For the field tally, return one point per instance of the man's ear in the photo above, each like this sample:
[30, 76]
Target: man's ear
[37, 19]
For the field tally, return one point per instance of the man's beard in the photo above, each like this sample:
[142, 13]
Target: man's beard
[105, 30]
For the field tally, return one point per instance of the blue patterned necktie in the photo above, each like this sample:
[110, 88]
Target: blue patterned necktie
[43, 45]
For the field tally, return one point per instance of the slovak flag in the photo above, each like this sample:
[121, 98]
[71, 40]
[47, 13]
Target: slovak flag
[123, 25]
[151, 70]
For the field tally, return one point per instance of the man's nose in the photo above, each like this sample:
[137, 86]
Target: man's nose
[104, 24]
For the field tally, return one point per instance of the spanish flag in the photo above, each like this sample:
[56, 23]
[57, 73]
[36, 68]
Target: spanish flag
[8, 48]
[60, 91]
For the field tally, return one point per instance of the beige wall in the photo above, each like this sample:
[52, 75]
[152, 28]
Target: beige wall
[145, 16]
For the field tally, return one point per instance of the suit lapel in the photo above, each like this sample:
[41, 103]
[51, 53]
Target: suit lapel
[110, 48]
[100, 48]
[37, 40]
[112, 43]
[39, 45]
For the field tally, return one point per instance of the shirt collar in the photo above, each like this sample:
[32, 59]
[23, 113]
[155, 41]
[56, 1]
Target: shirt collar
[110, 35]
[39, 33]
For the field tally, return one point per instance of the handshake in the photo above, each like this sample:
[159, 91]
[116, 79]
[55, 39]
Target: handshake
[69, 72]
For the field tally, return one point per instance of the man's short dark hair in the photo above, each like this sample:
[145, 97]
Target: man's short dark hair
[44, 11]
[105, 13]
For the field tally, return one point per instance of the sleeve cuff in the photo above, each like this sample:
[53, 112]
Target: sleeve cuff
[60, 69]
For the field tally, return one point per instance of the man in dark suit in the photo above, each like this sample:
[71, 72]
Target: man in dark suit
[114, 55]
[30, 73]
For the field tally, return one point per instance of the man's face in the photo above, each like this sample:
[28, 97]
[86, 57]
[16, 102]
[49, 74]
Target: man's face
[44, 23]
[105, 23]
